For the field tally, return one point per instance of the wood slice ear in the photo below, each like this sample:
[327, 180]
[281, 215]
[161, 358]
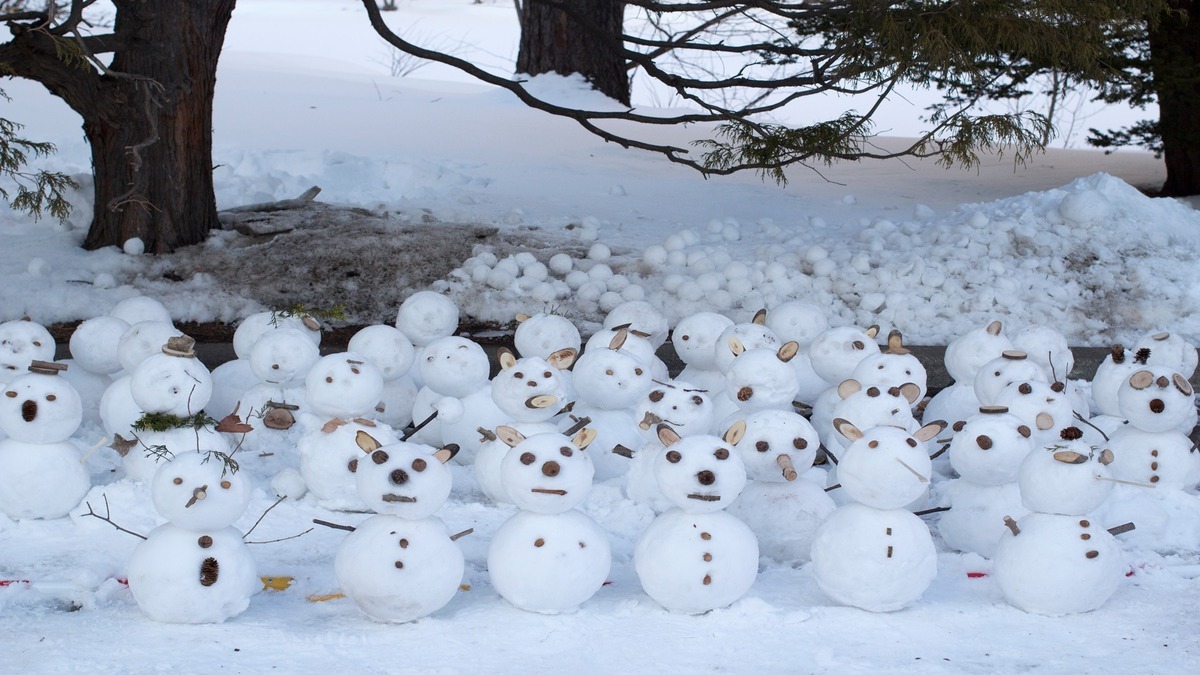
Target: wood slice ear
[736, 346]
[444, 453]
[994, 328]
[522, 317]
[539, 402]
[1044, 421]
[618, 339]
[1182, 384]
[511, 437]
[1141, 379]
[667, 436]
[735, 433]
[847, 429]
[1070, 457]
[910, 391]
[896, 343]
[788, 351]
[848, 388]
[930, 431]
[584, 438]
[366, 442]
[1107, 457]
[872, 331]
[507, 359]
[760, 317]
[563, 358]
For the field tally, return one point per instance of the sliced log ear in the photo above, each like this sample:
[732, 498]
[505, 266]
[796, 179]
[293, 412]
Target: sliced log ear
[847, 429]
[1044, 421]
[848, 388]
[788, 351]
[735, 433]
[930, 431]
[736, 346]
[667, 436]
[1107, 457]
[872, 331]
[366, 442]
[522, 317]
[444, 453]
[1070, 457]
[511, 437]
[760, 317]
[584, 438]
[539, 402]
[1141, 379]
[618, 339]
[896, 343]
[564, 358]
[507, 359]
[1182, 384]
[994, 328]
[911, 391]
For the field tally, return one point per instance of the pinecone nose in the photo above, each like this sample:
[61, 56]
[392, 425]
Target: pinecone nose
[399, 477]
[550, 469]
[29, 411]
[706, 477]
[1157, 405]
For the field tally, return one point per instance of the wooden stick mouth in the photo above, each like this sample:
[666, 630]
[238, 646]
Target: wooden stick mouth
[402, 499]
[704, 498]
[547, 491]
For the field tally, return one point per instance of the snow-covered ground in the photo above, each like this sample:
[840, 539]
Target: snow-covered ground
[305, 97]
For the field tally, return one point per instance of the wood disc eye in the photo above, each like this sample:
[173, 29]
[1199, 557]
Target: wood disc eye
[527, 458]
[674, 457]
[721, 453]
[419, 465]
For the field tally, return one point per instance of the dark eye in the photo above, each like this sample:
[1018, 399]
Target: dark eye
[565, 451]
[673, 456]
[10, 394]
[800, 443]
[37, 343]
[527, 458]
[912, 442]
[379, 457]
[685, 338]
[329, 379]
[655, 396]
[418, 465]
[608, 372]
[697, 400]
[637, 371]
[226, 484]
[721, 453]
[547, 374]
[873, 444]
[519, 376]
[178, 481]
[762, 446]
[51, 397]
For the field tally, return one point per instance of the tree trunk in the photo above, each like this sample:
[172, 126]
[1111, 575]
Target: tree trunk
[587, 40]
[1175, 58]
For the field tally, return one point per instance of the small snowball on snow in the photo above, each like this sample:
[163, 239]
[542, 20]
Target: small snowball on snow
[510, 266]
[824, 268]
[618, 283]
[576, 278]
[590, 291]
[922, 212]
[536, 271]
[676, 258]
[674, 242]
[849, 200]
[609, 301]
[543, 292]
[599, 252]
[690, 291]
[479, 273]
[289, 483]
[871, 302]
[978, 220]
[710, 281]
[672, 282]
[38, 267]
[731, 233]
[1083, 207]
[600, 272]
[736, 270]
[655, 255]
[134, 246]
[104, 280]
[561, 263]
[715, 227]
[499, 279]
[815, 254]
[633, 292]
[721, 299]
[689, 237]
[525, 259]
[488, 258]
[740, 286]
[588, 235]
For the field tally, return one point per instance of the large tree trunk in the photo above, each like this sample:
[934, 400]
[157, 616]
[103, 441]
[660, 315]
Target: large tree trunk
[585, 40]
[1175, 58]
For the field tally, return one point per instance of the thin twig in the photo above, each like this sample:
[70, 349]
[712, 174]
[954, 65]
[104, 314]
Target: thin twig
[326, 523]
[264, 515]
[419, 427]
[275, 541]
[107, 519]
[1081, 419]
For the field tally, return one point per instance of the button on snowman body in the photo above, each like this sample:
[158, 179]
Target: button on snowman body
[872, 553]
[195, 568]
[1058, 560]
[987, 452]
[696, 556]
[679, 405]
[786, 500]
[43, 474]
[400, 565]
[549, 557]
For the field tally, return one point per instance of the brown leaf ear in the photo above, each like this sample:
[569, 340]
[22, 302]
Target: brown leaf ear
[735, 433]
[366, 442]
[522, 317]
[618, 339]
[584, 438]
[994, 328]
[736, 346]
[910, 391]
[931, 430]
[788, 351]
[872, 331]
[760, 317]
[511, 437]
[563, 358]
[848, 388]
[507, 359]
[667, 436]
[847, 429]
[444, 453]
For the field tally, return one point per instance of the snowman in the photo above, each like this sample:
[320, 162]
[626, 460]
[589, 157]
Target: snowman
[549, 557]
[760, 379]
[550, 337]
[786, 500]
[1170, 350]
[44, 475]
[195, 568]
[697, 557]
[400, 565]
[836, 352]
[393, 354]
[872, 553]
[635, 344]
[139, 308]
[695, 342]
[232, 379]
[280, 360]
[452, 368]
[987, 451]
[801, 322]
[735, 340]
[892, 368]
[93, 347]
[965, 355]
[118, 411]
[865, 407]
[679, 405]
[1058, 560]
[423, 317]
[21, 343]
[995, 375]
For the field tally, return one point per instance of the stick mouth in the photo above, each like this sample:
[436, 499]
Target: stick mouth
[704, 498]
[399, 499]
[547, 491]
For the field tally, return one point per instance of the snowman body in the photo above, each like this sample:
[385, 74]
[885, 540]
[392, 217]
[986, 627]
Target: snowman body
[549, 557]
[697, 557]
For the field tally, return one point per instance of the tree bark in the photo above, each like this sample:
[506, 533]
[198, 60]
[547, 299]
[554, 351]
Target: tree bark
[586, 39]
[1175, 59]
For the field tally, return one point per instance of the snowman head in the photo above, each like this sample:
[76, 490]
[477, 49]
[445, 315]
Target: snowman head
[454, 366]
[892, 368]
[700, 473]
[1047, 348]
[1011, 366]
[988, 448]
[967, 353]
[686, 409]
[21, 343]
[426, 316]
[386, 347]
[1170, 350]
[695, 338]
[257, 325]
[885, 467]
[797, 320]
[143, 340]
[777, 445]
[547, 336]
[140, 308]
[546, 473]
[872, 406]
[1042, 406]
[1156, 398]
[173, 381]
[343, 385]
[528, 389]
[409, 480]
[94, 344]
[283, 356]
[641, 319]
[742, 337]
[759, 379]
[1068, 477]
[610, 379]
[200, 491]
[836, 352]
[631, 343]
[39, 406]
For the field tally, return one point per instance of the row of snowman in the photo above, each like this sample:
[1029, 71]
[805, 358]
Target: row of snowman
[342, 394]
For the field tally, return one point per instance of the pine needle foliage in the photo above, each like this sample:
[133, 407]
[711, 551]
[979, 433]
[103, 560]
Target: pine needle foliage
[33, 192]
